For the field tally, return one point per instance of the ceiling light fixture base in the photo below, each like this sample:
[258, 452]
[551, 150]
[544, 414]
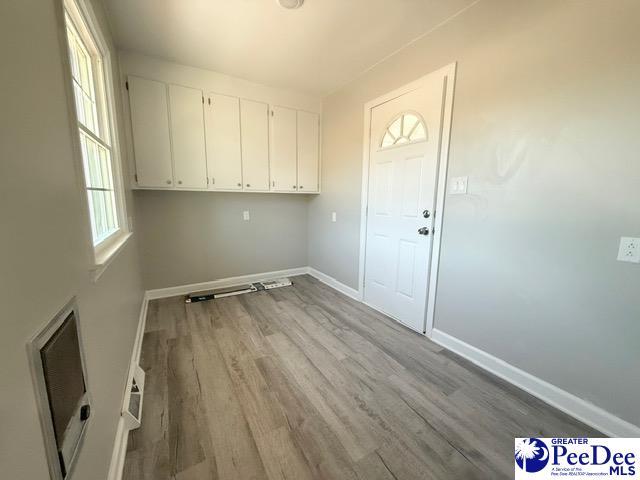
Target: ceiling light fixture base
[290, 4]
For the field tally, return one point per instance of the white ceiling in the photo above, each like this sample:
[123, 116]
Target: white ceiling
[315, 49]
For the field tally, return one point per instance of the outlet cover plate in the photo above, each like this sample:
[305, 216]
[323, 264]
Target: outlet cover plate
[629, 250]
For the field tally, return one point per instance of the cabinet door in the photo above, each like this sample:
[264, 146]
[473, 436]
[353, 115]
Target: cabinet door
[308, 151]
[254, 131]
[187, 137]
[224, 164]
[150, 128]
[282, 155]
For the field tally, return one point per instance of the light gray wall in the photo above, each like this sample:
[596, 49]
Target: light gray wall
[192, 237]
[44, 250]
[545, 125]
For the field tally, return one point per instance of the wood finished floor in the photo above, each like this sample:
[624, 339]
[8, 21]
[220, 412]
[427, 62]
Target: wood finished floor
[303, 382]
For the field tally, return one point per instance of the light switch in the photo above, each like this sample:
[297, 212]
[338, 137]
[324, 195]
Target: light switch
[458, 185]
[333, 216]
[629, 250]
[245, 215]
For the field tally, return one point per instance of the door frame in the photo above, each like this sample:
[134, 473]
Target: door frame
[449, 74]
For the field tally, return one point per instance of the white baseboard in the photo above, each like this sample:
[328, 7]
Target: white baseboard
[332, 282]
[119, 452]
[122, 433]
[223, 282]
[142, 321]
[564, 401]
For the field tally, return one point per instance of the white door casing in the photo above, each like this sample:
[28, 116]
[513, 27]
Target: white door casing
[403, 181]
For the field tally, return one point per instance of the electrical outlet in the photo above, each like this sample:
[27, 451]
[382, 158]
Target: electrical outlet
[458, 185]
[629, 250]
[245, 216]
[333, 216]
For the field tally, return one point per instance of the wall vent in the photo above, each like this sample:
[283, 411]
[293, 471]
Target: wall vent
[59, 376]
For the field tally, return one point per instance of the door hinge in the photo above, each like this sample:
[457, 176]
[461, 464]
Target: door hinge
[136, 177]
[126, 84]
[203, 100]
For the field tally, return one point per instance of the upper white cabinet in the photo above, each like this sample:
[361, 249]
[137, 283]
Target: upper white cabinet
[308, 127]
[283, 150]
[224, 160]
[150, 125]
[187, 137]
[254, 133]
[184, 140]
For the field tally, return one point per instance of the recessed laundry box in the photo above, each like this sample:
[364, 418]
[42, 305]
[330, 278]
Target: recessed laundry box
[61, 390]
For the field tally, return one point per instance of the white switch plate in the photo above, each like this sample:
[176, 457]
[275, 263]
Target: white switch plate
[629, 250]
[245, 215]
[333, 216]
[458, 185]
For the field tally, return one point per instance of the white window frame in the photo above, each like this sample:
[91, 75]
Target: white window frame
[400, 116]
[86, 24]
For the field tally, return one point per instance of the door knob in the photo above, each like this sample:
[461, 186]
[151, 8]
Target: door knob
[423, 231]
[426, 214]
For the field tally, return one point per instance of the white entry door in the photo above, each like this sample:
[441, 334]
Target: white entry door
[403, 169]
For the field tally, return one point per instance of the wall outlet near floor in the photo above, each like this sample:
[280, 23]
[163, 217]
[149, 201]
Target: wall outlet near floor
[333, 216]
[629, 250]
[245, 215]
[458, 185]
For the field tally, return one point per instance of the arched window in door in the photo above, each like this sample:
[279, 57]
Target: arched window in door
[408, 127]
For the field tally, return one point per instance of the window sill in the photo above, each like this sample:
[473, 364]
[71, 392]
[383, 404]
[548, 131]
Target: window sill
[105, 255]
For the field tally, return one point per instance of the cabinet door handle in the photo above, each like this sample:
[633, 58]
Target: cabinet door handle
[239, 184]
[294, 187]
[301, 187]
[179, 182]
[168, 182]
[248, 184]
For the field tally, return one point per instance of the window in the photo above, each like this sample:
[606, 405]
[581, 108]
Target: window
[405, 128]
[89, 70]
